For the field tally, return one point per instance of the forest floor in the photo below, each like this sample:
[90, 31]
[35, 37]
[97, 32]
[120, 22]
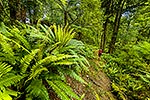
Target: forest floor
[99, 85]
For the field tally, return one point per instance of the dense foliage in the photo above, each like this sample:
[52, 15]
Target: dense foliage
[43, 41]
[35, 61]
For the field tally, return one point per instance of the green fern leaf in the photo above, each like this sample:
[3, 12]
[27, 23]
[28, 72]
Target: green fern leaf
[37, 89]
[20, 46]
[59, 91]
[76, 76]
[5, 96]
[9, 79]
[53, 58]
[67, 89]
[4, 68]
[6, 46]
[3, 30]
[64, 63]
[16, 33]
[25, 62]
[36, 71]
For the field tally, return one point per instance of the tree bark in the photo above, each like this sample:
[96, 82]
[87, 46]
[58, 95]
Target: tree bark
[65, 18]
[116, 27]
[1, 12]
[13, 10]
[103, 37]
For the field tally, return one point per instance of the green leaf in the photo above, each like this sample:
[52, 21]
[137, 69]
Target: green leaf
[37, 89]
[25, 62]
[59, 91]
[67, 89]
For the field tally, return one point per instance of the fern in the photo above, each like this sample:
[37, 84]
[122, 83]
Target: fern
[13, 41]
[25, 62]
[64, 62]
[53, 58]
[9, 79]
[40, 54]
[76, 76]
[67, 89]
[4, 69]
[72, 73]
[62, 35]
[7, 49]
[59, 91]
[37, 89]
[36, 71]
[5, 96]
[15, 31]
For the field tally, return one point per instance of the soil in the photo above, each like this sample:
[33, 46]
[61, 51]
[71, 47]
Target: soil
[99, 85]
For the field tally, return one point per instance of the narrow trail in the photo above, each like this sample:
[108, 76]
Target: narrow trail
[99, 84]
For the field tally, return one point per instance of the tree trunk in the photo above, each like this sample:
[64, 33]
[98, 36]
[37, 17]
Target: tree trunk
[65, 18]
[116, 27]
[103, 37]
[1, 12]
[13, 10]
[23, 13]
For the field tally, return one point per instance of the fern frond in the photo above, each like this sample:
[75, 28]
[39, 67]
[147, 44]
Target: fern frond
[9, 79]
[44, 29]
[59, 91]
[74, 75]
[35, 71]
[6, 46]
[53, 76]
[20, 46]
[15, 31]
[25, 62]
[63, 35]
[64, 62]
[3, 30]
[82, 65]
[37, 89]
[67, 89]
[52, 47]
[40, 36]
[4, 68]
[53, 58]
[5, 96]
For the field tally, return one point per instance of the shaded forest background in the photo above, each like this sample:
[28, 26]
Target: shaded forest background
[43, 41]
